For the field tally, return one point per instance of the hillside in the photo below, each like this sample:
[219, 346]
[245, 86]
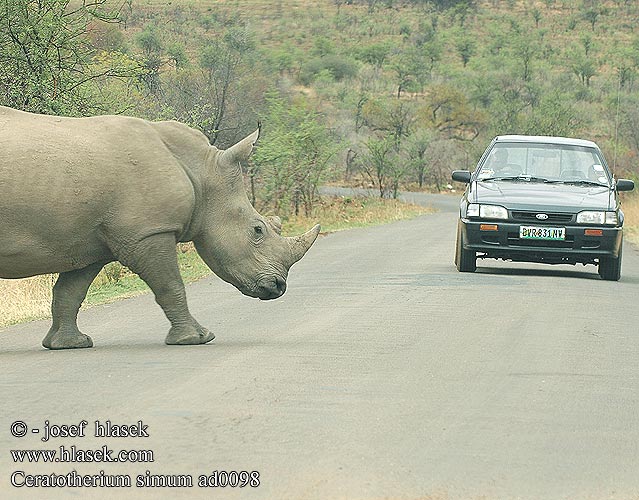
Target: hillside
[388, 93]
[433, 82]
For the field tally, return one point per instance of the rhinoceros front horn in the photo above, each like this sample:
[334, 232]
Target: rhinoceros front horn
[300, 244]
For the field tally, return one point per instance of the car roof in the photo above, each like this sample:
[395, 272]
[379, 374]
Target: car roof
[546, 140]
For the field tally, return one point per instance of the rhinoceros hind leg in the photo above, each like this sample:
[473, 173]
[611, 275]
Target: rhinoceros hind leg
[155, 261]
[68, 293]
[189, 335]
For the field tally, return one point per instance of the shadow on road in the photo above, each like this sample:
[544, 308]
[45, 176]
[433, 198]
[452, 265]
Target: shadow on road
[519, 271]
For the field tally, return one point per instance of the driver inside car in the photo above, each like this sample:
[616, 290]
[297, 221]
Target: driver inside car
[501, 166]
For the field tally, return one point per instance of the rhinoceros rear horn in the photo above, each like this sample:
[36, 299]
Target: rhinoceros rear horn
[242, 150]
[300, 244]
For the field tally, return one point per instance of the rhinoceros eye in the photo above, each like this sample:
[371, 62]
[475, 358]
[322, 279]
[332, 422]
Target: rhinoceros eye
[258, 232]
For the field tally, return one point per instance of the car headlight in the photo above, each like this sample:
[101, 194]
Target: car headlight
[486, 211]
[597, 217]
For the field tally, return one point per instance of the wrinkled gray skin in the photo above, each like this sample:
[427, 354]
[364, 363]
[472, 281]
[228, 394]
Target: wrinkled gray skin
[77, 193]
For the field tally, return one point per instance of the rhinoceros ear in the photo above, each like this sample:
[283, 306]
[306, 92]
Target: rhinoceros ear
[242, 150]
[275, 222]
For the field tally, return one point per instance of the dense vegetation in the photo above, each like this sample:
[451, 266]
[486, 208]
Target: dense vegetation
[392, 93]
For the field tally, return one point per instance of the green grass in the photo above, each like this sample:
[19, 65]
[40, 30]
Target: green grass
[127, 284]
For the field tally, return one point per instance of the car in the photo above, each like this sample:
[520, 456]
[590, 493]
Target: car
[541, 199]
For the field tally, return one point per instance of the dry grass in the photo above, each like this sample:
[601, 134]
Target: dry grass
[630, 205]
[26, 299]
[338, 213]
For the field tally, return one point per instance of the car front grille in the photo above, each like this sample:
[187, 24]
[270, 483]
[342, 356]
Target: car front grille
[528, 216]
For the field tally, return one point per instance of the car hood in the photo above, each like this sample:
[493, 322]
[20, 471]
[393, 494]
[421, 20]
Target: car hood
[526, 195]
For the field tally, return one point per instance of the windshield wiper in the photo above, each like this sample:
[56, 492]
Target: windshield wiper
[526, 178]
[584, 182]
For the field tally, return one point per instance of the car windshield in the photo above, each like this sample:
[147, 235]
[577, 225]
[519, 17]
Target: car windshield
[539, 162]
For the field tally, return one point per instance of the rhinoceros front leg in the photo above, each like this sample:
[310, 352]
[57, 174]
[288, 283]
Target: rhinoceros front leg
[155, 260]
[68, 293]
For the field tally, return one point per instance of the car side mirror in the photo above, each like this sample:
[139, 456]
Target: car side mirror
[625, 185]
[461, 176]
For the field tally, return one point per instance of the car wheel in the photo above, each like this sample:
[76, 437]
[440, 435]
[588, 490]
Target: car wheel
[610, 267]
[465, 260]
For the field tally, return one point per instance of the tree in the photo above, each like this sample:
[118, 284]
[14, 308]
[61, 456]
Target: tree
[418, 144]
[629, 122]
[466, 47]
[448, 111]
[152, 47]
[625, 60]
[218, 93]
[432, 50]
[336, 66]
[525, 50]
[592, 15]
[294, 156]
[377, 161]
[177, 54]
[394, 118]
[374, 54]
[508, 106]
[443, 156]
[46, 55]
[405, 68]
[555, 115]
[584, 67]
[587, 42]
[536, 14]
[220, 61]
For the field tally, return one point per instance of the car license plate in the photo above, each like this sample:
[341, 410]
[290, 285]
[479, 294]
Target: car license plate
[542, 233]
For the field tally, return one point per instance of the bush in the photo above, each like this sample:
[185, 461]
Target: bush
[340, 68]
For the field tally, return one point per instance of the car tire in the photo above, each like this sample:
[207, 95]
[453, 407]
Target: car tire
[610, 267]
[465, 260]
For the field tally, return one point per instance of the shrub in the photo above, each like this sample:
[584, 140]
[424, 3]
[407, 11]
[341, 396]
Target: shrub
[340, 68]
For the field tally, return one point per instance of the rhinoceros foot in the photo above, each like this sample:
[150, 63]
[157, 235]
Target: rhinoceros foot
[189, 335]
[66, 338]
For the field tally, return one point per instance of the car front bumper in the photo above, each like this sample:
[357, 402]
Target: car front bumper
[505, 243]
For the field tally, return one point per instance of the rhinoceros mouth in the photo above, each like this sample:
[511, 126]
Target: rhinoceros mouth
[269, 288]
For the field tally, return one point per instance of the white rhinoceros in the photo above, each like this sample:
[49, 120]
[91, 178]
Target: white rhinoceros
[77, 193]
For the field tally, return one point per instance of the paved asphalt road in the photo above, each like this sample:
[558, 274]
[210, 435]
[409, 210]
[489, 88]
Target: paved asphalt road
[383, 373]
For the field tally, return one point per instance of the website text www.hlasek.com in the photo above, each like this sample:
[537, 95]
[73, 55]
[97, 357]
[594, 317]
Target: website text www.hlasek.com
[72, 454]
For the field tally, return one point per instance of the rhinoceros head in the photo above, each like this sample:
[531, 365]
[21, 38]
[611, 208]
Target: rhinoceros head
[241, 246]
